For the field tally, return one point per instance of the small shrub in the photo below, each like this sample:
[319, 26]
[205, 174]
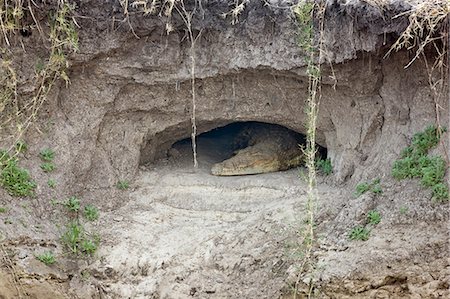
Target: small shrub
[3, 209]
[416, 163]
[90, 212]
[47, 258]
[123, 185]
[16, 180]
[48, 166]
[51, 183]
[373, 217]
[433, 171]
[47, 155]
[423, 141]
[324, 166]
[359, 233]
[72, 204]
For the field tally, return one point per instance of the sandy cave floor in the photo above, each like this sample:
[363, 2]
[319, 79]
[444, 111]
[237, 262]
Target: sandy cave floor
[187, 233]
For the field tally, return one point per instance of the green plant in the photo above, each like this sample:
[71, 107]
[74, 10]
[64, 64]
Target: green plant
[47, 258]
[362, 188]
[88, 247]
[3, 209]
[76, 239]
[90, 212]
[48, 166]
[73, 236]
[416, 163]
[324, 166]
[72, 204]
[16, 180]
[373, 217]
[51, 183]
[47, 155]
[123, 185]
[359, 233]
[373, 186]
[440, 192]
[303, 12]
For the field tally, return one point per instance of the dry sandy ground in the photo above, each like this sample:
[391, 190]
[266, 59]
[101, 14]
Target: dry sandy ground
[187, 233]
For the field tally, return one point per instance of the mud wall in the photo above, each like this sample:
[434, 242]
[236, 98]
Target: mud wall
[130, 98]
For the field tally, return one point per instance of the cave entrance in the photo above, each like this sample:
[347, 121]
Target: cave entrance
[243, 148]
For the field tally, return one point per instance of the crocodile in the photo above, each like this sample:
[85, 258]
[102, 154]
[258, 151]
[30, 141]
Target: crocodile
[261, 149]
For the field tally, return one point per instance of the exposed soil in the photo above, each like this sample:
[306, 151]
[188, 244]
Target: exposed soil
[179, 232]
[184, 233]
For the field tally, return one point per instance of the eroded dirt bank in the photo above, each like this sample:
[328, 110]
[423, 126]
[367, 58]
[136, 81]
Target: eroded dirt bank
[181, 233]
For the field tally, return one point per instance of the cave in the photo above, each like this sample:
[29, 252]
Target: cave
[224, 142]
[141, 71]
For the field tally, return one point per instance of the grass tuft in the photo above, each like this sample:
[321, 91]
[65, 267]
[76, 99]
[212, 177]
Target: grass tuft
[359, 233]
[72, 204]
[47, 258]
[373, 217]
[123, 185]
[90, 212]
[77, 240]
[47, 155]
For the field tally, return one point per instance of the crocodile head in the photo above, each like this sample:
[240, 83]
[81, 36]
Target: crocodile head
[247, 162]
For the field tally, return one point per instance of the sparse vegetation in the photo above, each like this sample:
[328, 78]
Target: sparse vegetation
[3, 209]
[18, 110]
[373, 217]
[72, 204]
[77, 240]
[90, 212]
[362, 233]
[362, 188]
[359, 233]
[47, 258]
[15, 180]
[123, 185]
[75, 237]
[51, 183]
[416, 163]
[324, 166]
[47, 155]
[48, 166]
[373, 186]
